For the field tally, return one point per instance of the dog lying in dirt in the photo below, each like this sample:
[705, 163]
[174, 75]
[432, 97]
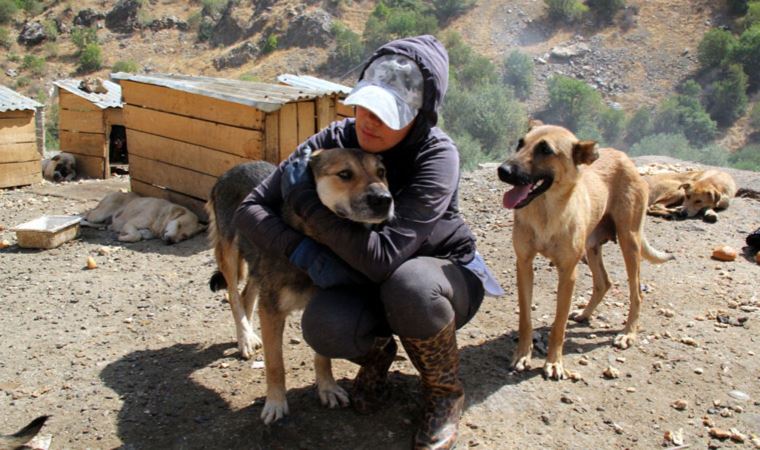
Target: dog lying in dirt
[348, 180]
[61, 167]
[570, 198]
[136, 218]
[23, 436]
[689, 194]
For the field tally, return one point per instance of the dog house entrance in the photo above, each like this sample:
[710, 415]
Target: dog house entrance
[118, 154]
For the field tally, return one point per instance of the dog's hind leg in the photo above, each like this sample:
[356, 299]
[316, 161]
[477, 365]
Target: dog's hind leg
[330, 393]
[522, 356]
[248, 340]
[272, 323]
[568, 271]
[630, 244]
[130, 233]
[602, 283]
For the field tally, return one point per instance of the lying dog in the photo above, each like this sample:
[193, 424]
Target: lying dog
[564, 211]
[61, 167]
[136, 218]
[688, 194]
[23, 436]
[349, 181]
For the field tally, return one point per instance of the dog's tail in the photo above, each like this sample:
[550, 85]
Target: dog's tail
[653, 255]
[24, 435]
[217, 282]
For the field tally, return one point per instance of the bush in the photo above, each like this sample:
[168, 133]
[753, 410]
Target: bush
[51, 127]
[445, 10]
[565, 10]
[35, 65]
[611, 124]
[677, 146]
[51, 30]
[212, 7]
[5, 38]
[684, 113]
[640, 125]
[349, 50]
[747, 53]
[470, 151]
[572, 102]
[466, 67]
[748, 158]
[22, 82]
[489, 113]
[727, 98]
[270, 44]
[715, 47]
[754, 117]
[90, 58]
[753, 15]
[8, 10]
[738, 7]
[605, 10]
[518, 73]
[82, 37]
[394, 20]
[125, 66]
[33, 7]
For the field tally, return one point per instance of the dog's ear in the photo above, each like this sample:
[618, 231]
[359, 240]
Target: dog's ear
[533, 123]
[686, 187]
[585, 152]
[56, 157]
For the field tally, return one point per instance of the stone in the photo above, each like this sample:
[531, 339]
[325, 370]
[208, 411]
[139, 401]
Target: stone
[32, 34]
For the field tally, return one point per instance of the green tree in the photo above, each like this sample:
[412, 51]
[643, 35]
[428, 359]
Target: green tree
[35, 65]
[470, 151]
[753, 15]
[748, 158]
[393, 20]
[82, 37]
[684, 113]
[125, 66]
[572, 102]
[727, 98]
[91, 58]
[5, 38]
[611, 124]
[747, 53]
[714, 48]
[605, 10]
[640, 125]
[445, 10]
[565, 10]
[754, 117]
[270, 44]
[466, 67]
[738, 7]
[518, 73]
[349, 49]
[8, 10]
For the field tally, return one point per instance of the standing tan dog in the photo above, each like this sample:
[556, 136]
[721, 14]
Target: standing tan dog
[352, 184]
[570, 198]
[688, 194]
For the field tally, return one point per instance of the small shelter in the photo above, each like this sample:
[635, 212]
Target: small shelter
[19, 157]
[185, 131]
[90, 122]
[334, 93]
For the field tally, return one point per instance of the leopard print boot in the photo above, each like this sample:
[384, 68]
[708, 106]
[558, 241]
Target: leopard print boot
[368, 390]
[437, 360]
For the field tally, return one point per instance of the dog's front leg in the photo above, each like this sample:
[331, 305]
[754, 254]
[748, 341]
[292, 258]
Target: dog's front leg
[554, 368]
[330, 394]
[129, 233]
[272, 324]
[522, 356]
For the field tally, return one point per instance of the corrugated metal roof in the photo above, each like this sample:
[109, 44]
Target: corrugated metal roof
[111, 99]
[317, 84]
[11, 100]
[263, 96]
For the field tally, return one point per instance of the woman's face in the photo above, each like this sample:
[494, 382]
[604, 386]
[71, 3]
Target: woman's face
[374, 135]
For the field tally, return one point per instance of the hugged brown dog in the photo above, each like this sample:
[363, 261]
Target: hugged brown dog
[570, 197]
[689, 194]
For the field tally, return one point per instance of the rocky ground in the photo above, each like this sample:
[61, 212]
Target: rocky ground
[139, 354]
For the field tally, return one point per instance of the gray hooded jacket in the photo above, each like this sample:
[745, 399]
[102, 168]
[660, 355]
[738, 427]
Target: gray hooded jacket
[423, 174]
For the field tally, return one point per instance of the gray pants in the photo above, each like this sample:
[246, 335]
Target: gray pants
[421, 297]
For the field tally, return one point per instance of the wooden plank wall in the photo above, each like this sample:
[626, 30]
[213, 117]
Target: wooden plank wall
[179, 143]
[83, 133]
[19, 158]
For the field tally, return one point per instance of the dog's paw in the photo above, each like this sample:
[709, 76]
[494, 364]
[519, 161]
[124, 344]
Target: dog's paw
[555, 371]
[332, 395]
[247, 345]
[577, 316]
[274, 410]
[521, 362]
[624, 340]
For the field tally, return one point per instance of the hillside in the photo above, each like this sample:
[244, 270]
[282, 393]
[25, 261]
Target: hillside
[631, 68]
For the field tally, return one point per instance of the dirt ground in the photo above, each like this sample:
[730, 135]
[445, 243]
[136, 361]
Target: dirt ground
[139, 354]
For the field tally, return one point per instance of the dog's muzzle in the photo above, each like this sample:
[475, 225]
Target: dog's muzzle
[526, 186]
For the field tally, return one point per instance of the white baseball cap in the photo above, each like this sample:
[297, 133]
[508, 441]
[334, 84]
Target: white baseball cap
[392, 89]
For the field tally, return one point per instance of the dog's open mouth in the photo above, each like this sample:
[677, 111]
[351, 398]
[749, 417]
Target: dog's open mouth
[520, 195]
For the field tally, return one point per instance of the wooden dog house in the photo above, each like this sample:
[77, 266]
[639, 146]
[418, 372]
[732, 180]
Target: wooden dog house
[185, 131]
[86, 121]
[19, 157]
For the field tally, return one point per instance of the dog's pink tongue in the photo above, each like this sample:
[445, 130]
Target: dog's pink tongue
[515, 195]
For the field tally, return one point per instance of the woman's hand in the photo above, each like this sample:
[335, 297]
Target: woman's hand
[323, 266]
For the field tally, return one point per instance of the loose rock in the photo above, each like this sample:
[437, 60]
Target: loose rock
[724, 253]
[611, 373]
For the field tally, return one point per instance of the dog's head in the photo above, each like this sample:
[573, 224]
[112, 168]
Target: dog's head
[546, 156]
[180, 224]
[352, 184]
[64, 167]
[699, 197]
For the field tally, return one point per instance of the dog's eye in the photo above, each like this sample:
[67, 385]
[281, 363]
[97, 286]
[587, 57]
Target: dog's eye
[345, 174]
[520, 144]
[698, 202]
[381, 172]
[544, 149]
